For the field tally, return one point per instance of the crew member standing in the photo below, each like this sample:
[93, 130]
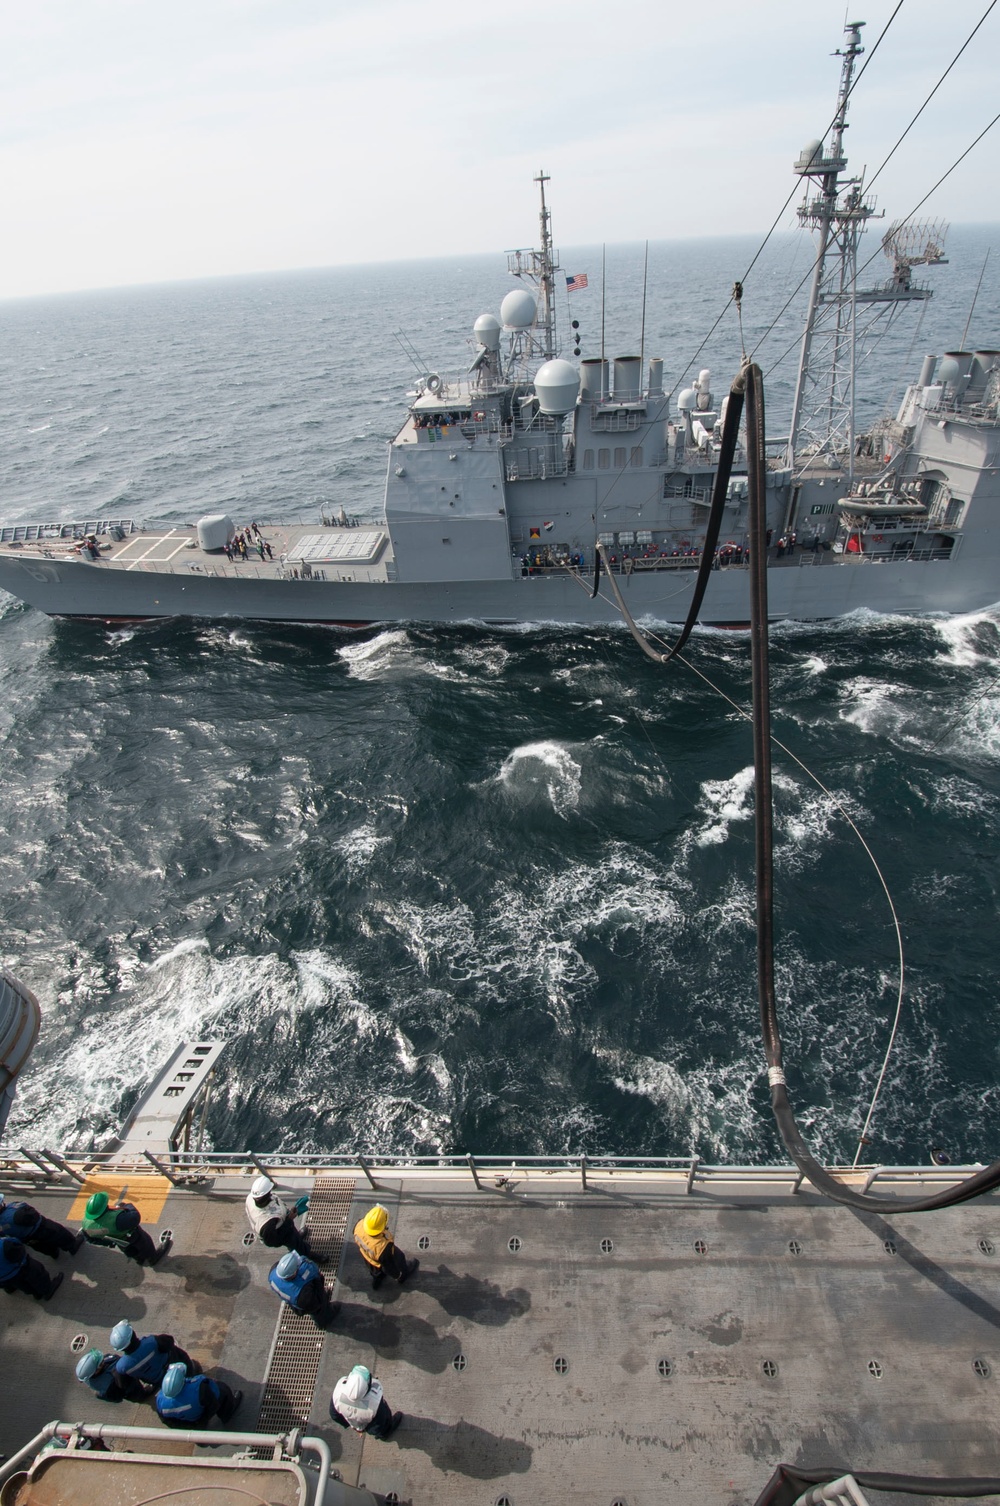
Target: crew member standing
[374, 1239]
[118, 1224]
[19, 1272]
[300, 1283]
[357, 1402]
[32, 1228]
[272, 1220]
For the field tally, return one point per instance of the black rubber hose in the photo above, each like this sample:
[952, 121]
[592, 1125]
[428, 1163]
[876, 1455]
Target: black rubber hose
[981, 1181]
[727, 452]
[790, 1481]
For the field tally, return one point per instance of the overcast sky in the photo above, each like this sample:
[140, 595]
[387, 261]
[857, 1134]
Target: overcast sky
[142, 141]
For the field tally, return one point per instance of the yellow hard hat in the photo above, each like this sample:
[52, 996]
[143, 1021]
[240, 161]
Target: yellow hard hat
[376, 1219]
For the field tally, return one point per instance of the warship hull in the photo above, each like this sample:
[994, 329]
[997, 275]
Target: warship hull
[806, 588]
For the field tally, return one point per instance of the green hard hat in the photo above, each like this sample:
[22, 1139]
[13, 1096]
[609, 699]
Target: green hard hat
[97, 1204]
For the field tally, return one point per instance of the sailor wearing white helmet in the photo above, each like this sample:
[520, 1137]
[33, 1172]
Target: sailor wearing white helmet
[272, 1220]
[357, 1402]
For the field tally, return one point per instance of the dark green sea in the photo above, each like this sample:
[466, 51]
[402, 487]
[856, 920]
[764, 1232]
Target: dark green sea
[463, 889]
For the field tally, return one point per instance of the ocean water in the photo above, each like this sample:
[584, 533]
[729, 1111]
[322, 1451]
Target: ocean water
[458, 889]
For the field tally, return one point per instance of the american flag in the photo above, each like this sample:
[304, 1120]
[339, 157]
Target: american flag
[578, 280]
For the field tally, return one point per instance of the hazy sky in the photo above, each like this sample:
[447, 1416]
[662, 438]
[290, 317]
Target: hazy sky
[144, 141]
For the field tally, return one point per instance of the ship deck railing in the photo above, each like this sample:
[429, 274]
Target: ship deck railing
[687, 1173]
[41, 533]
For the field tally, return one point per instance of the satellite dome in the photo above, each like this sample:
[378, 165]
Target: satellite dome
[518, 310]
[810, 153]
[686, 400]
[557, 384]
[949, 370]
[487, 331]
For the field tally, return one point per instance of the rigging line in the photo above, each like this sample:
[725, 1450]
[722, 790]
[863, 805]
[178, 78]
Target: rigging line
[791, 194]
[937, 185]
[838, 805]
[931, 95]
[975, 296]
[952, 726]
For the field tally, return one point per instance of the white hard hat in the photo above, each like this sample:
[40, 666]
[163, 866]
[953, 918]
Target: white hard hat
[357, 1384]
[261, 1189]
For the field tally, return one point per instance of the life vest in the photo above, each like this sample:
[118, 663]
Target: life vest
[273, 1211]
[115, 1226]
[372, 1246]
[359, 1414]
[198, 1401]
[20, 1220]
[289, 1288]
[148, 1362]
[12, 1258]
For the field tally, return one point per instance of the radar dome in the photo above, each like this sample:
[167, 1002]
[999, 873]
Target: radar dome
[949, 370]
[487, 331]
[518, 310]
[687, 399]
[810, 153]
[556, 386]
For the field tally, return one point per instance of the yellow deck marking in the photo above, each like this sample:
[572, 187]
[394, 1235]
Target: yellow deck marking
[147, 1193]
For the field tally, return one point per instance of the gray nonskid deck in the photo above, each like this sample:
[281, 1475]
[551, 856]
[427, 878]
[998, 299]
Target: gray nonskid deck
[635, 1344]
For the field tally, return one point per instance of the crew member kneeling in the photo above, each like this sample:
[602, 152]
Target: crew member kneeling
[272, 1220]
[191, 1401]
[118, 1224]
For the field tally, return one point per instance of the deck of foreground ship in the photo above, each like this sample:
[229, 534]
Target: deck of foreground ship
[625, 1341]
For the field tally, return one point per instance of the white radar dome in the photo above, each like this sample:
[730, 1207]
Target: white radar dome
[487, 331]
[556, 386]
[949, 370]
[686, 400]
[518, 310]
[810, 153]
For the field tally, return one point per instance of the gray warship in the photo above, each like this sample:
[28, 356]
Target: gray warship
[503, 484]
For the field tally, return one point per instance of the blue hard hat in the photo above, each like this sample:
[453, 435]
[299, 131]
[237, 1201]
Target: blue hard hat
[121, 1336]
[289, 1264]
[173, 1380]
[88, 1364]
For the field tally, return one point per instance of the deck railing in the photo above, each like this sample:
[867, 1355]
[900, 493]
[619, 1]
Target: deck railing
[690, 1173]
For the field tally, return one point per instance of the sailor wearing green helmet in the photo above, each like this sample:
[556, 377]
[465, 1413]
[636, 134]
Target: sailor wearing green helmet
[118, 1224]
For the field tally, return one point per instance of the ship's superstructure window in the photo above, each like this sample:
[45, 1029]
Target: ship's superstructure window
[619, 457]
[588, 460]
[635, 457]
[603, 459]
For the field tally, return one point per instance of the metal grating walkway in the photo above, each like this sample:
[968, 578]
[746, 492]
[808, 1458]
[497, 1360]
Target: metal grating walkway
[298, 1344]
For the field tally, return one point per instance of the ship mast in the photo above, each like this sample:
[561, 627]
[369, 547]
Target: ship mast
[539, 268]
[823, 409]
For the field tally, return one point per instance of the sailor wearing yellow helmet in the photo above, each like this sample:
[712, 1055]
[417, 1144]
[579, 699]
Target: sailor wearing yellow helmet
[374, 1239]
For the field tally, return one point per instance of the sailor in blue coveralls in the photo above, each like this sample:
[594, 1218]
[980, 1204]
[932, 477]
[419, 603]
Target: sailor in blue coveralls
[299, 1282]
[25, 1223]
[97, 1371]
[144, 1362]
[191, 1401]
[20, 1273]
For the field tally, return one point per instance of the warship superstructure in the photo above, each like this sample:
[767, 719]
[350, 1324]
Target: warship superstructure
[502, 484]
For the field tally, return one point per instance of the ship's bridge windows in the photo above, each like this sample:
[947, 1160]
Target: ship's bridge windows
[619, 457]
[603, 459]
[588, 460]
[635, 456]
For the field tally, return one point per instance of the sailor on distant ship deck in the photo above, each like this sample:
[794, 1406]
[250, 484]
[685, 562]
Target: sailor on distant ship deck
[272, 1220]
